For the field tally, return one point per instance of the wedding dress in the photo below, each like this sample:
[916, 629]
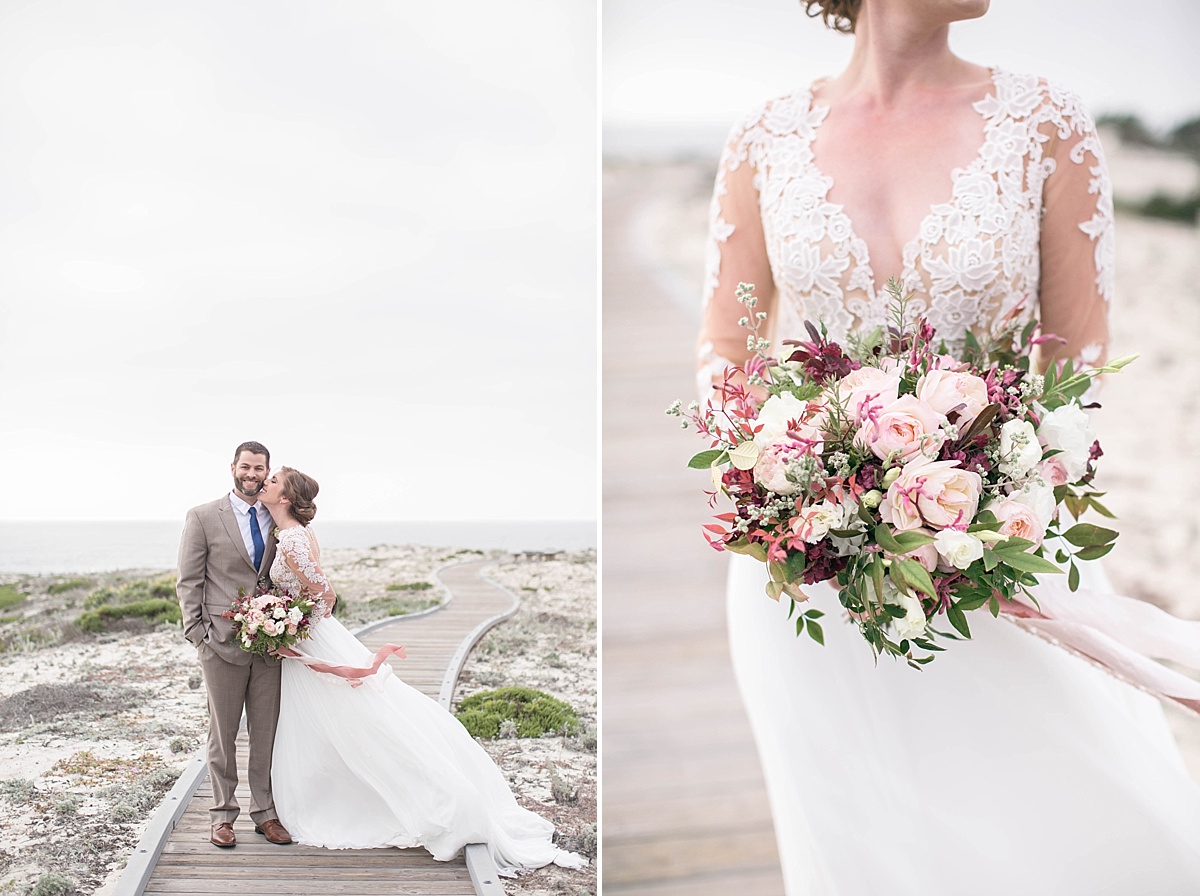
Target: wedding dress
[382, 764]
[1008, 765]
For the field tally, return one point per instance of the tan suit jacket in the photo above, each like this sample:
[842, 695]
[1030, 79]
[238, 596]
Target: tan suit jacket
[213, 565]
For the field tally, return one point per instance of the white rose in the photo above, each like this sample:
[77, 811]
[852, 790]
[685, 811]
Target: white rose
[957, 549]
[774, 416]
[913, 623]
[1068, 430]
[1039, 499]
[279, 613]
[814, 522]
[1019, 448]
[295, 615]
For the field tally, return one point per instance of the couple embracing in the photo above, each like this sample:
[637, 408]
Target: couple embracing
[331, 765]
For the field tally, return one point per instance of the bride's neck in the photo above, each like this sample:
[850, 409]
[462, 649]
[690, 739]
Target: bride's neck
[283, 519]
[898, 55]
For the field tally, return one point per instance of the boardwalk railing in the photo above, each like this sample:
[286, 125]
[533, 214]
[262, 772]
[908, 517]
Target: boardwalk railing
[175, 857]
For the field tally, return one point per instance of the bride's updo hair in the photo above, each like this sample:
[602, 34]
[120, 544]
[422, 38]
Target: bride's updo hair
[300, 490]
[837, 14]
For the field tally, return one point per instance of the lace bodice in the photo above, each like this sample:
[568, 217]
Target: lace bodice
[297, 569]
[1026, 230]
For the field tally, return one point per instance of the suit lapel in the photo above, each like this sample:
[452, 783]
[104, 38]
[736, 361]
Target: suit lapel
[269, 550]
[229, 520]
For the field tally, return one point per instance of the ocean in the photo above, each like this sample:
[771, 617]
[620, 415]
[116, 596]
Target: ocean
[79, 547]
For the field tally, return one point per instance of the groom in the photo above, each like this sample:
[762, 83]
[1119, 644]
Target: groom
[227, 544]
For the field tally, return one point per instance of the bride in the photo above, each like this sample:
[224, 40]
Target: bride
[1008, 765]
[381, 764]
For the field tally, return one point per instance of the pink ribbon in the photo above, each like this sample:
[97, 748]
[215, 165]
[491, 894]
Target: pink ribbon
[353, 674]
[1123, 636]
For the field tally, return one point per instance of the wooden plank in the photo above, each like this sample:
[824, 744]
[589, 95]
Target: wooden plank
[182, 862]
[685, 807]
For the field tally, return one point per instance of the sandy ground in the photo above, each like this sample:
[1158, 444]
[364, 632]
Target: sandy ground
[1149, 426]
[94, 729]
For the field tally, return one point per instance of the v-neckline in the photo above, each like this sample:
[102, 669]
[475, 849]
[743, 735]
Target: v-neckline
[865, 264]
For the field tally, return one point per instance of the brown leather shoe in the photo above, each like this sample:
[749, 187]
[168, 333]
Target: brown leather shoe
[222, 835]
[274, 832]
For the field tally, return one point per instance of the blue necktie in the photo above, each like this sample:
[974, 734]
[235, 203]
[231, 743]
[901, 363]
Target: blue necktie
[256, 537]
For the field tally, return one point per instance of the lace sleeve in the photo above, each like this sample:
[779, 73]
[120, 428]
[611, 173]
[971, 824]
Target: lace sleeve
[296, 546]
[1076, 246]
[736, 253]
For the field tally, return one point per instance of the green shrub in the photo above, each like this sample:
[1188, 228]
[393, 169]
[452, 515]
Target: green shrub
[54, 883]
[9, 597]
[69, 585]
[136, 592]
[1166, 207]
[156, 610]
[409, 586]
[533, 712]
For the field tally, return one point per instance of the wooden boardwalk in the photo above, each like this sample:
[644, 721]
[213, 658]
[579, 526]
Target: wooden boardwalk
[437, 643]
[685, 809]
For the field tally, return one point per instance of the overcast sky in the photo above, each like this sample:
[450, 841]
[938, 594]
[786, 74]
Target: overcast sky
[363, 233]
[707, 62]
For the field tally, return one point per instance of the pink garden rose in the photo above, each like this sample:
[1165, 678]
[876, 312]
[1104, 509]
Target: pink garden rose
[1019, 520]
[1053, 472]
[907, 426]
[770, 470]
[936, 494]
[868, 387]
[949, 390]
[926, 554]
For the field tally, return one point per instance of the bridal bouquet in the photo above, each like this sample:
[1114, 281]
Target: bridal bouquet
[270, 620]
[923, 485]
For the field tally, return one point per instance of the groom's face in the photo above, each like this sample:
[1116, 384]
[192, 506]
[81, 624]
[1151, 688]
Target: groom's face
[249, 473]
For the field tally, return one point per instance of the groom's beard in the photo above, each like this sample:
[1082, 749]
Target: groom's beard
[242, 486]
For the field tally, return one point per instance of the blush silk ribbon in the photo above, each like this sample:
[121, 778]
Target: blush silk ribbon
[353, 674]
[1123, 636]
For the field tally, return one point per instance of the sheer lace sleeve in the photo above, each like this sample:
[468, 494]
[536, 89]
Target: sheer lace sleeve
[736, 253]
[296, 545]
[1077, 255]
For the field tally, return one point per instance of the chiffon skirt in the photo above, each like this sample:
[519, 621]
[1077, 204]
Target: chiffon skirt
[1007, 766]
[384, 765]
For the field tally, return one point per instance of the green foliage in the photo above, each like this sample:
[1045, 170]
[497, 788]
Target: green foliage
[135, 592]
[9, 597]
[706, 459]
[155, 610]
[1129, 128]
[1167, 208]
[54, 883]
[69, 585]
[18, 791]
[533, 712]
[409, 586]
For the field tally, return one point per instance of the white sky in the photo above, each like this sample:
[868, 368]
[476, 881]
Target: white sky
[710, 61]
[363, 233]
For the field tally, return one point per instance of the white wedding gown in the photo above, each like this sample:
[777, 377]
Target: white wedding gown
[382, 764]
[1007, 766]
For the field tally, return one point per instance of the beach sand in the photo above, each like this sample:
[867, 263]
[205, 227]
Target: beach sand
[86, 758]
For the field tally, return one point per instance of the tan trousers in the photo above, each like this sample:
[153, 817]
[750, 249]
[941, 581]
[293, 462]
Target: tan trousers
[231, 687]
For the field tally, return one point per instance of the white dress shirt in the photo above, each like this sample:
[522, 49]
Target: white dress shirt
[243, 511]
